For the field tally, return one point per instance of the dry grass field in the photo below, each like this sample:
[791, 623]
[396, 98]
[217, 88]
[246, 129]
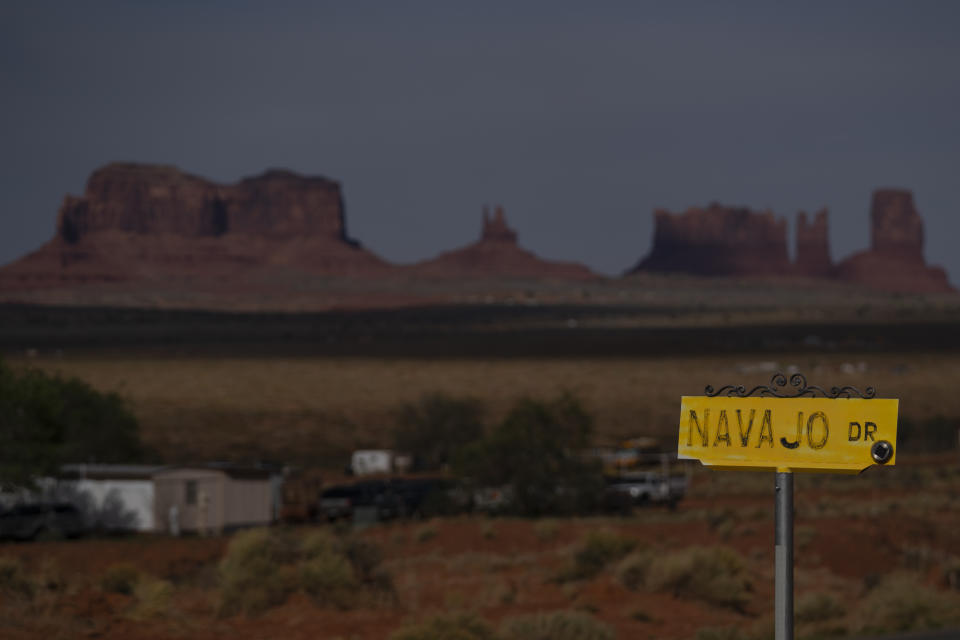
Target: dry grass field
[314, 410]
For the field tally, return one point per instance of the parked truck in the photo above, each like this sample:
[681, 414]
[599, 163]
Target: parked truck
[639, 471]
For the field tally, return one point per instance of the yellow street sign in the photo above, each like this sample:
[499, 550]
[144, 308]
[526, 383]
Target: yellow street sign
[844, 435]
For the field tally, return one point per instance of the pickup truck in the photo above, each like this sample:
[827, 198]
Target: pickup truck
[645, 487]
[30, 521]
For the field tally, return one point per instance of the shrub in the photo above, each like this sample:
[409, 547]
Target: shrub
[329, 577]
[900, 602]
[448, 627]
[597, 550]
[347, 564]
[319, 542]
[723, 518]
[12, 581]
[546, 529]
[152, 599]
[50, 576]
[559, 625]
[642, 615]
[817, 607]
[365, 557]
[120, 578]
[632, 570]
[326, 573]
[488, 531]
[425, 532]
[262, 567]
[725, 529]
[253, 577]
[602, 547]
[502, 592]
[714, 575]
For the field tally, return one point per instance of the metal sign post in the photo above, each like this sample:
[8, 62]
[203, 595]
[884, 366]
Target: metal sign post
[783, 557]
[840, 431]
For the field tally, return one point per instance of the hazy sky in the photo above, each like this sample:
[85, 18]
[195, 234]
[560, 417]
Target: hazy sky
[579, 117]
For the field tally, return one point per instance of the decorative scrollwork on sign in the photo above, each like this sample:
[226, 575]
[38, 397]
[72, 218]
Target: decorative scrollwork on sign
[777, 386]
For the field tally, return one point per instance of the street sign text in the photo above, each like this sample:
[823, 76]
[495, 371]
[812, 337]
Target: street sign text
[787, 434]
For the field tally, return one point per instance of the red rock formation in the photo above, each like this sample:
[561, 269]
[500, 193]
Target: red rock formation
[158, 200]
[813, 246]
[718, 241]
[738, 242]
[497, 255]
[895, 260]
[896, 227]
[495, 229]
[152, 222]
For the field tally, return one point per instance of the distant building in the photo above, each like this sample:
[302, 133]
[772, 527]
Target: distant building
[213, 498]
[373, 461]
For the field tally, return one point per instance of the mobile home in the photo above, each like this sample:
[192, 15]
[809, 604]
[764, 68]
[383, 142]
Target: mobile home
[212, 499]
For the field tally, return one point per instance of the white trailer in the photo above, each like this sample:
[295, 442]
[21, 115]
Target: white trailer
[117, 497]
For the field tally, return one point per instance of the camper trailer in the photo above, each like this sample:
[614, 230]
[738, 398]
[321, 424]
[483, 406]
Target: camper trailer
[112, 497]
